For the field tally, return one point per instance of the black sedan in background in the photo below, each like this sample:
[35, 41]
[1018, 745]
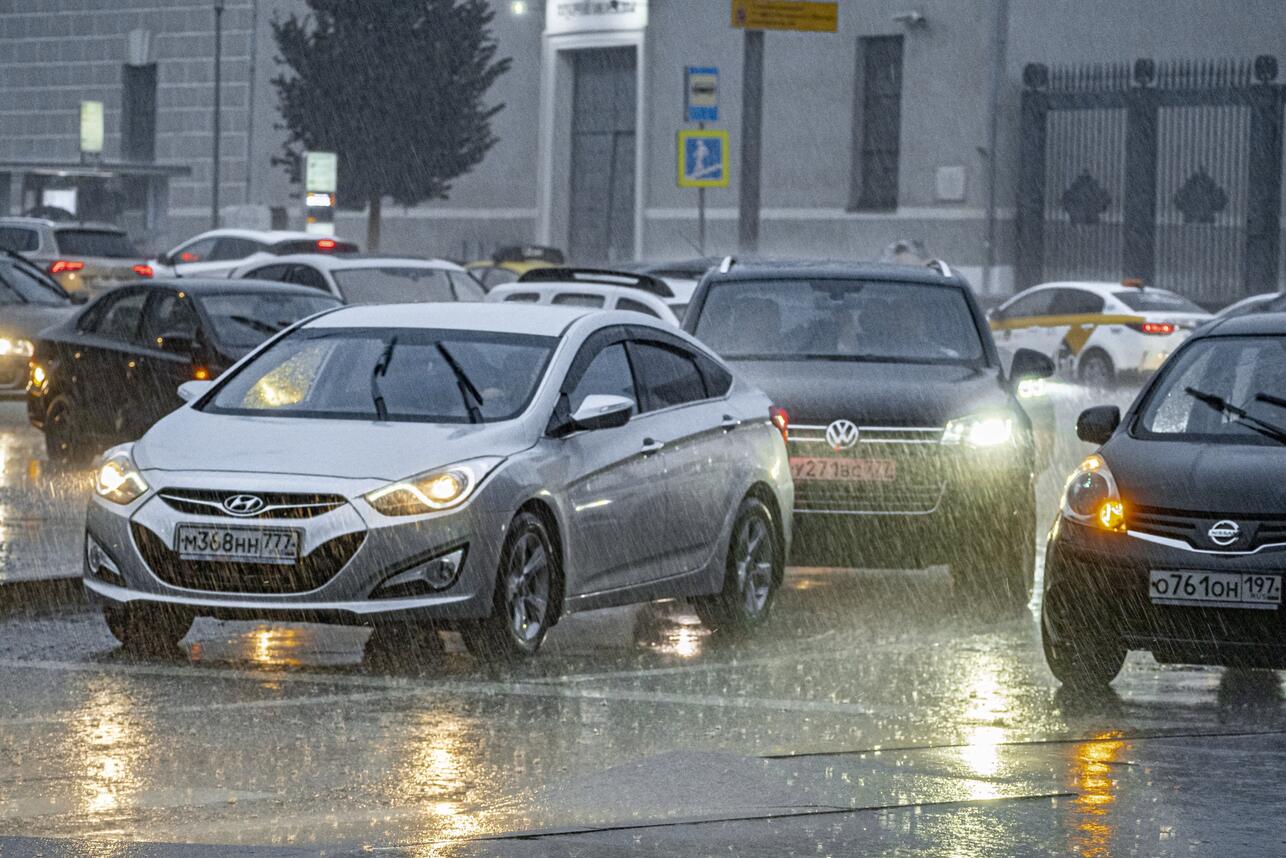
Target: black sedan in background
[30, 301]
[1172, 536]
[114, 369]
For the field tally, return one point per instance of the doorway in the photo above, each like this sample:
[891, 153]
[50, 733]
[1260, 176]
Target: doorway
[601, 217]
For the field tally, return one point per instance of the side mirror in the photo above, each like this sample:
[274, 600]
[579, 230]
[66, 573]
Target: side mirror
[166, 258]
[190, 390]
[1096, 425]
[1028, 364]
[599, 411]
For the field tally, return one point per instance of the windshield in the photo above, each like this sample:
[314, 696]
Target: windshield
[95, 242]
[1245, 374]
[30, 286]
[353, 373]
[1155, 299]
[839, 320]
[247, 319]
[394, 285]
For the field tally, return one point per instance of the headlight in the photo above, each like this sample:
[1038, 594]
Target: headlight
[118, 480]
[1091, 496]
[434, 490]
[16, 346]
[980, 430]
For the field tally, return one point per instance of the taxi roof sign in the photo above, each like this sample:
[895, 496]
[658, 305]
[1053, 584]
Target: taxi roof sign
[812, 16]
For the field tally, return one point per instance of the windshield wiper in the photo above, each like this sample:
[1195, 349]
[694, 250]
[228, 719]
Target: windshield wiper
[1270, 399]
[378, 372]
[472, 398]
[1240, 415]
[256, 324]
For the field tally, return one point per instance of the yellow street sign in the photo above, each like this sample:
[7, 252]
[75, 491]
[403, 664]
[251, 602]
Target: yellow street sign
[804, 15]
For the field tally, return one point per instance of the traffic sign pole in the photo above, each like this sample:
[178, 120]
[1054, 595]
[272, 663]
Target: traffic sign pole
[701, 212]
[752, 115]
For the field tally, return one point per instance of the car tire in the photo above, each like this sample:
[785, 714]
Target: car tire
[66, 443]
[1096, 371]
[148, 628]
[751, 577]
[528, 586]
[1080, 653]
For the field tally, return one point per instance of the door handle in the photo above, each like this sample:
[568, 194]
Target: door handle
[729, 423]
[650, 446]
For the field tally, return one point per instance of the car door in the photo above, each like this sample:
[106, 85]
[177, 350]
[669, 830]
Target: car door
[1075, 315]
[615, 517]
[104, 387]
[166, 359]
[679, 416]
[1023, 323]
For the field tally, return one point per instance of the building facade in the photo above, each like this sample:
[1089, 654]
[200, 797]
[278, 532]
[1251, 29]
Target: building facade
[877, 132]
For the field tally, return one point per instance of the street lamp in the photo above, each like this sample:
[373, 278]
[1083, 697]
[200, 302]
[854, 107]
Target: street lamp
[218, 70]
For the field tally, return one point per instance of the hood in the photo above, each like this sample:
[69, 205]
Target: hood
[28, 320]
[1221, 478]
[189, 440]
[875, 394]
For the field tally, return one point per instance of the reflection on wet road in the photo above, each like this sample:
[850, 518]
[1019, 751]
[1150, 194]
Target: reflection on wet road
[872, 714]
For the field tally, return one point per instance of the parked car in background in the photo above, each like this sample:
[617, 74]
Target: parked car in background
[593, 295]
[681, 275]
[487, 468]
[507, 264]
[30, 301]
[1097, 332]
[642, 284]
[357, 279]
[83, 257]
[113, 369]
[1170, 537]
[217, 252]
[907, 442]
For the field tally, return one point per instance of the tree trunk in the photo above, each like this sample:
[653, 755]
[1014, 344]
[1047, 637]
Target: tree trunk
[373, 223]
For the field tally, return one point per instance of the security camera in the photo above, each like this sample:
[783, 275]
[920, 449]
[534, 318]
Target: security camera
[912, 18]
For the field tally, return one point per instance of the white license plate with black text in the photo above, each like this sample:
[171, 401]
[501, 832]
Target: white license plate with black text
[1222, 589]
[253, 544]
[843, 470]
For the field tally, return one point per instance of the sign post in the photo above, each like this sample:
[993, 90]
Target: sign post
[701, 105]
[703, 163]
[321, 178]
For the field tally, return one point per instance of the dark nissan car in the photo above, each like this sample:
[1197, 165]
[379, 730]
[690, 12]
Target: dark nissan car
[111, 371]
[1172, 536]
[907, 443]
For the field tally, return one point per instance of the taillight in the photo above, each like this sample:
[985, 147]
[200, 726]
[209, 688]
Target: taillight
[781, 420]
[143, 270]
[1157, 328]
[59, 266]
[325, 244]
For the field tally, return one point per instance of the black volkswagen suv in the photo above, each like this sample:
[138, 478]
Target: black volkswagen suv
[907, 442]
[1172, 536]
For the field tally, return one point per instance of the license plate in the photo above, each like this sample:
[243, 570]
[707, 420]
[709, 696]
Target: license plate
[254, 544]
[1225, 589]
[844, 470]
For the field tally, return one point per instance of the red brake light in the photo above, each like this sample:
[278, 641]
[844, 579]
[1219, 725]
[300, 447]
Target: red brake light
[58, 266]
[325, 244]
[781, 420]
[189, 256]
[1158, 328]
[143, 270]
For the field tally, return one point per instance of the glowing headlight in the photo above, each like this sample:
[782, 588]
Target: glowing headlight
[17, 347]
[980, 430]
[1032, 388]
[118, 480]
[1091, 496]
[431, 491]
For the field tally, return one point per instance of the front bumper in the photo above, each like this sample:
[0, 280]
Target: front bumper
[1108, 573]
[373, 548]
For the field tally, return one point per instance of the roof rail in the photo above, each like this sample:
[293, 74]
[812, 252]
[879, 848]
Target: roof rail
[939, 266]
[726, 265]
[600, 276]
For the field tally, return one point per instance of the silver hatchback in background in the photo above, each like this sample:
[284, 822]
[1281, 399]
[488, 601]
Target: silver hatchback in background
[413, 467]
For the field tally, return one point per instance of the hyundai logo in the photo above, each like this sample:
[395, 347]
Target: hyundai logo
[243, 504]
[842, 434]
[1224, 532]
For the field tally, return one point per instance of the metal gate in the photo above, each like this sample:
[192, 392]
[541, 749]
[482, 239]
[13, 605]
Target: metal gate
[601, 214]
[1170, 174]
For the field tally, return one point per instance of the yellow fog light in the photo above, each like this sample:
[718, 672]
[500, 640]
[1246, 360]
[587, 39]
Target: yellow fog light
[38, 375]
[1111, 515]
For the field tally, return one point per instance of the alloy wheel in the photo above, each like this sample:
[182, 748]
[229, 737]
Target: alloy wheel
[754, 564]
[527, 588]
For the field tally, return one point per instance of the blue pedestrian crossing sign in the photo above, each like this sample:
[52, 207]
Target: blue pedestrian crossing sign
[703, 159]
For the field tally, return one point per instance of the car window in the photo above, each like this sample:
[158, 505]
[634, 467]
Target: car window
[523, 297]
[608, 374]
[1072, 302]
[306, 275]
[197, 251]
[28, 285]
[574, 299]
[466, 288]
[1034, 304]
[230, 247]
[95, 242]
[18, 239]
[169, 315]
[492, 277]
[636, 307]
[120, 319]
[718, 380]
[244, 320]
[394, 284]
[277, 273]
[1156, 299]
[668, 375]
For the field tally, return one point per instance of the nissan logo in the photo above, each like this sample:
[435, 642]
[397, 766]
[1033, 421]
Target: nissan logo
[1224, 532]
[842, 434]
[243, 504]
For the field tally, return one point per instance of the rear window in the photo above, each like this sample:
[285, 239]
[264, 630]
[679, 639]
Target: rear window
[95, 242]
[573, 299]
[1156, 300]
[242, 320]
[394, 285]
[18, 239]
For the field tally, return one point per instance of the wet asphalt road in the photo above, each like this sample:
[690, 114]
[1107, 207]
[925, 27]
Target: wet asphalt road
[872, 715]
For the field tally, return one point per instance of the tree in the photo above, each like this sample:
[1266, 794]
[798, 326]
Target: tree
[395, 88]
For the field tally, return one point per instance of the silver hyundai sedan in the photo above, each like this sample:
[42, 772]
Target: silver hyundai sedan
[487, 468]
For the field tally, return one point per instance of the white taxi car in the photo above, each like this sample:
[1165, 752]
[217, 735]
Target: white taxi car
[1097, 332]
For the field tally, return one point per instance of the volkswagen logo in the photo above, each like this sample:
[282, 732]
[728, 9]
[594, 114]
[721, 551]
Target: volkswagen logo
[1224, 532]
[842, 434]
[243, 504]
